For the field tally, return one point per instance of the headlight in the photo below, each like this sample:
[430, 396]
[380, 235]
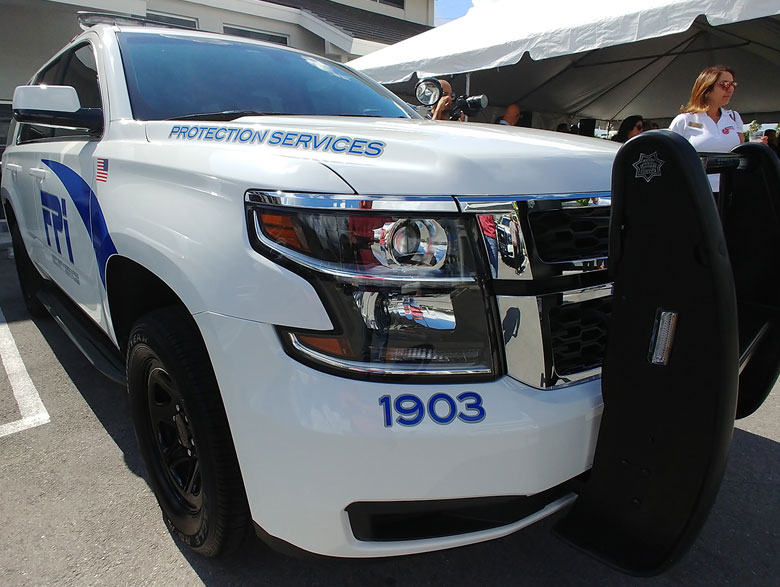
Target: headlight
[403, 290]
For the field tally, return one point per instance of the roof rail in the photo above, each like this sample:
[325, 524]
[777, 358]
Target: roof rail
[88, 19]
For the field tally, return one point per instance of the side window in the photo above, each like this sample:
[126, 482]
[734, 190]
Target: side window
[49, 76]
[81, 73]
[76, 68]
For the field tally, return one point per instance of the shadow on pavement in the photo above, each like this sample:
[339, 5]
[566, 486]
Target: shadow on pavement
[105, 398]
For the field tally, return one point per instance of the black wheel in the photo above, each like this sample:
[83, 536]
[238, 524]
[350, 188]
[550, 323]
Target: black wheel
[29, 279]
[183, 433]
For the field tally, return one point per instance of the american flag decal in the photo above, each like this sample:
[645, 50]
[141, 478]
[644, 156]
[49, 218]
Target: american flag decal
[102, 170]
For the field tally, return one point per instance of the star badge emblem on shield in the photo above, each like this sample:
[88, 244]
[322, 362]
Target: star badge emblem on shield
[648, 166]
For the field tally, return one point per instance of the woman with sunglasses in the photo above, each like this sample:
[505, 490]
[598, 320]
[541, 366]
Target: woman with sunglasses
[629, 128]
[704, 121]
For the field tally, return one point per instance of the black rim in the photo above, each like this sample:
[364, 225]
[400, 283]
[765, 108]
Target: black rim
[174, 440]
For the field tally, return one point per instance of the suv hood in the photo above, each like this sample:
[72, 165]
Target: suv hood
[414, 157]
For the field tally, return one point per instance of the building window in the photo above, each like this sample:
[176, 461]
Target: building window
[177, 21]
[256, 35]
[396, 3]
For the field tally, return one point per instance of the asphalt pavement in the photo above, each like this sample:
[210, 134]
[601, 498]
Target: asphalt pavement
[75, 508]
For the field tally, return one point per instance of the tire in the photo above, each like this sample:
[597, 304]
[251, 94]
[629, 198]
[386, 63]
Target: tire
[183, 433]
[29, 279]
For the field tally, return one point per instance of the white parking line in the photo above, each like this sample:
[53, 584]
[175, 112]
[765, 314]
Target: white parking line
[30, 405]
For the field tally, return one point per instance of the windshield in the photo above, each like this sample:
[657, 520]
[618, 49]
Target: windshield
[170, 77]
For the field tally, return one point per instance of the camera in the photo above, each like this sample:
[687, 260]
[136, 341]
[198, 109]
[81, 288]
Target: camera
[428, 91]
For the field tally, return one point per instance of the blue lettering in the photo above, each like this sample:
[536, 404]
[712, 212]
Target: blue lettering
[202, 130]
[289, 138]
[357, 146]
[322, 142]
[376, 148]
[67, 231]
[231, 134]
[259, 137]
[210, 133]
[219, 137]
[276, 137]
[339, 149]
[304, 138]
[175, 129]
[191, 134]
[55, 216]
[245, 135]
[183, 132]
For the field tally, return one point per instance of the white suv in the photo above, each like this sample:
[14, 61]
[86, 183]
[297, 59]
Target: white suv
[288, 267]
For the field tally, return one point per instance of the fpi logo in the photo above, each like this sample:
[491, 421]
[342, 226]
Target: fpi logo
[55, 215]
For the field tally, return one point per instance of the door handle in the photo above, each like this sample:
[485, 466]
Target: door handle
[13, 167]
[38, 172]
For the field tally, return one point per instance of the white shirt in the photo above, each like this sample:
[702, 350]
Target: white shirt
[707, 135]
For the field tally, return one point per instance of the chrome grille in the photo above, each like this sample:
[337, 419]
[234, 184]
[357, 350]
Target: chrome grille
[552, 289]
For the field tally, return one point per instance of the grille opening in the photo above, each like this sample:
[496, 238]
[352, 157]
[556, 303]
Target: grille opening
[570, 234]
[579, 335]
[417, 520]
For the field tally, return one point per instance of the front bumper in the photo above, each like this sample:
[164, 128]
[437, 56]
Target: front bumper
[311, 444]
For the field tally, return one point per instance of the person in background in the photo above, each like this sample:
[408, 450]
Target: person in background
[562, 127]
[442, 109]
[511, 115]
[487, 225]
[651, 125]
[704, 121]
[629, 128]
[771, 140]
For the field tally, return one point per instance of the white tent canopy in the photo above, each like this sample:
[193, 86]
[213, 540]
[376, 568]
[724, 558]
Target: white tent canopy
[605, 59]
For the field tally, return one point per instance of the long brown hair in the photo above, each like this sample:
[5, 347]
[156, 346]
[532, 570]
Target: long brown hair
[702, 87]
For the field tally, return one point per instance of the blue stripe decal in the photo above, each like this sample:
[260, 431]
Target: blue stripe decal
[85, 200]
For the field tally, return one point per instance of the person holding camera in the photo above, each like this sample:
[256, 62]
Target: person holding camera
[441, 111]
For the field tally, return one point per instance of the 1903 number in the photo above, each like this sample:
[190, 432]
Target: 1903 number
[441, 408]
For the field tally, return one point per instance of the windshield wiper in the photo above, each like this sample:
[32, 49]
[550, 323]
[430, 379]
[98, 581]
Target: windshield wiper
[225, 115]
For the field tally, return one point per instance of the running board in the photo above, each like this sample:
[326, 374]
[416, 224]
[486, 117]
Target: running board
[88, 338]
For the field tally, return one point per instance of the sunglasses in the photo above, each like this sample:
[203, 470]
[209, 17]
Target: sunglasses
[639, 126]
[727, 85]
